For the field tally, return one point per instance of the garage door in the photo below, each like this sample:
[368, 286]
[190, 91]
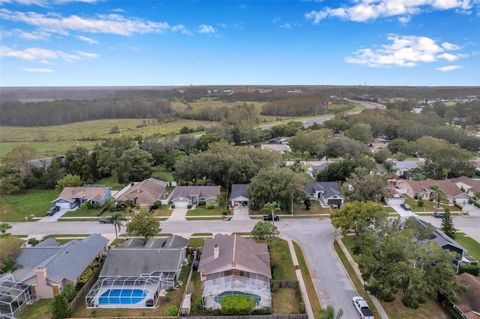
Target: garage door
[395, 201]
[181, 204]
[63, 205]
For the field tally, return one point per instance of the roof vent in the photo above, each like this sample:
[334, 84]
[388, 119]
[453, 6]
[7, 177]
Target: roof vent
[216, 251]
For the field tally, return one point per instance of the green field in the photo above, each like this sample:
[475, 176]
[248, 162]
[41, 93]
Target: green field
[57, 139]
[34, 202]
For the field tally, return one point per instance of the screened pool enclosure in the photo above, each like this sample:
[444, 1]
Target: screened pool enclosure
[129, 292]
[14, 296]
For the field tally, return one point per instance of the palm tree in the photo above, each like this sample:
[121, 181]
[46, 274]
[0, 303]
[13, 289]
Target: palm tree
[436, 195]
[271, 208]
[117, 219]
[330, 313]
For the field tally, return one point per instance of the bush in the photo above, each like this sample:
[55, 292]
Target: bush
[210, 206]
[173, 206]
[171, 311]
[237, 305]
[156, 205]
[69, 292]
[189, 206]
[59, 307]
[420, 202]
[33, 241]
[471, 269]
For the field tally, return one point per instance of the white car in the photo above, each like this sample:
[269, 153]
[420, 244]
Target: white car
[362, 308]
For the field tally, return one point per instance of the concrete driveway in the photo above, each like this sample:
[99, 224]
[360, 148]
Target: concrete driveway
[240, 213]
[331, 282]
[56, 216]
[403, 212]
[178, 213]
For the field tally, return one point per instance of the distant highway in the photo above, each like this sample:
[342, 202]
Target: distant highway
[323, 118]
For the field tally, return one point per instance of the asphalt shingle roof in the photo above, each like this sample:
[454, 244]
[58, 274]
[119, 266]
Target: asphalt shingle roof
[239, 190]
[328, 189]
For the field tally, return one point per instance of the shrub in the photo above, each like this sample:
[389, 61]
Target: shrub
[189, 206]
[237, 305]
[173, 206]
[420, 202]
[171, 311]
[59, 307]
[471, 269]
[69, 292]
[33, 241]
[210, 206]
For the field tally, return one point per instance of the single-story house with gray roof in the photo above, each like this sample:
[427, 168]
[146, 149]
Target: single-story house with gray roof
[134, 275]
[49, 266]
[183, 196]
[326, 192]
[239, 195]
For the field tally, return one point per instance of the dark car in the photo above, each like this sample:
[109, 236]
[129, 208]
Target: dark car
[105, 220]
[268, 218]
[405, 206]
[52, 210]
[438, 214]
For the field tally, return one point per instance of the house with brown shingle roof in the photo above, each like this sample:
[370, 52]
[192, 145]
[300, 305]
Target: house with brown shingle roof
[235, 265]
[468, 304]
[423, 189]
[468, 185]
[144, 193]
[71, 197]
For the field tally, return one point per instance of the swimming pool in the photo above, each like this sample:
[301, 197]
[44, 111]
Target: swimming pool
[218, 298]
[122, 296]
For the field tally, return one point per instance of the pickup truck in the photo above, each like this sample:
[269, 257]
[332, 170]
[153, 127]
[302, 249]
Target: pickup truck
[362, 308]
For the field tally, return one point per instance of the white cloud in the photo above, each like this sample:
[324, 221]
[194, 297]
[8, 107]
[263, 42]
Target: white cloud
[449, 68]
[404, 19]
[87, 39]
[205, 28]
[405, 51]
[27, 35]
[110, 23]
[365, 10]
[181, 29]
[44, 55]
[37, 70]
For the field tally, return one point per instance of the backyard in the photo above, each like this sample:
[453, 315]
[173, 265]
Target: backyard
[28, 204]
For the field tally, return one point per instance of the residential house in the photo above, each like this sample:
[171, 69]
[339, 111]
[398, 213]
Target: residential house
[14, 296]
[402, 168]
[378, 144]
[467, 185]
[44, 163]
[468, 304]
[280, 140]
[235, 265]
[313, 170]
[394, 197]
[71, 197]
[183, 196]
[239, 195]
[49, 266]
[327, 193]
[423, 189]
[136, 273]
[281, 148]
[145, 193]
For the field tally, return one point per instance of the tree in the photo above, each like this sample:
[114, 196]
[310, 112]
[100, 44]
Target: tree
[237, 305]
[437, 196]
[309, 141]
[357, 216]
[265, 231]
[280, 185]
[344, 147]
[363, 186]
[4, 227]
[330, 313]
[18, 158]
[12, 184]
[52, 174]
[447, 224]
[360, 132]
[271, 208]
[144, 224]
[420, 202]
[59, 307]
[134, 165]
[115, 130]
[69, 181]
[381, 156]
[307, 202]
[117, 222]
[79, 162]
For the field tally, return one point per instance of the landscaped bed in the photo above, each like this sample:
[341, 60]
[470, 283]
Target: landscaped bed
[28, 204]
[428, 206]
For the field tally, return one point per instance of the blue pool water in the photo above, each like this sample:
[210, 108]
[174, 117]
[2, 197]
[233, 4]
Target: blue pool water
[218, 298]
[122, 297]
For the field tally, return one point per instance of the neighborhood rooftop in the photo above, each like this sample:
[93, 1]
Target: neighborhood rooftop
[89, 192]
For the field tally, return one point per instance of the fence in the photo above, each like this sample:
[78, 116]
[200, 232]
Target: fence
[80, 297]
[284, 283]
[288, 316]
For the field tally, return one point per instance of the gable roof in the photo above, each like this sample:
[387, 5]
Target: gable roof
[469, 302]
[157, 255]
[328, 189]
[62, 262]
[238, 190]
[406, 165]
[474, 184]
[276, 147]
[93, 192]
[439, 236]
[200, 191]
[145, 192]
[447, 187]
[235, 252]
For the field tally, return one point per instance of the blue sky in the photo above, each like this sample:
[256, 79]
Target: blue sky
[117, 42]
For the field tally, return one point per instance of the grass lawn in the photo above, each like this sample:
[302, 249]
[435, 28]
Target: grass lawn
[196, 242]
[431, 309]
[470, 244]
[37, 310]
[315, 208]
[312, 294]
[162, 173]
[14, 208]
[428, 206]
[388, 209]
[110, 182]
[45, 148]
[84, 212]
[164, 210]
[281, 261]
[203, 211]
[284, 301]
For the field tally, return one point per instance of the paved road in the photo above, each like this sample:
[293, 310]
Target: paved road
[331, 282]
[470, 225]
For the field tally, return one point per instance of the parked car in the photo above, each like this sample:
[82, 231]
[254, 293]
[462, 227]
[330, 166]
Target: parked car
[362, 308]
[405, 206]
[268, 218]
[52, 210]
[105, 220]
[438, 214]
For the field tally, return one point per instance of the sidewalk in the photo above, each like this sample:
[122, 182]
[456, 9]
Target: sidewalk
[298, 272]
[375, 301]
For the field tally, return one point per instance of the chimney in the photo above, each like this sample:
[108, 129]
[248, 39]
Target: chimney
[41, 273]
[216, 251]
